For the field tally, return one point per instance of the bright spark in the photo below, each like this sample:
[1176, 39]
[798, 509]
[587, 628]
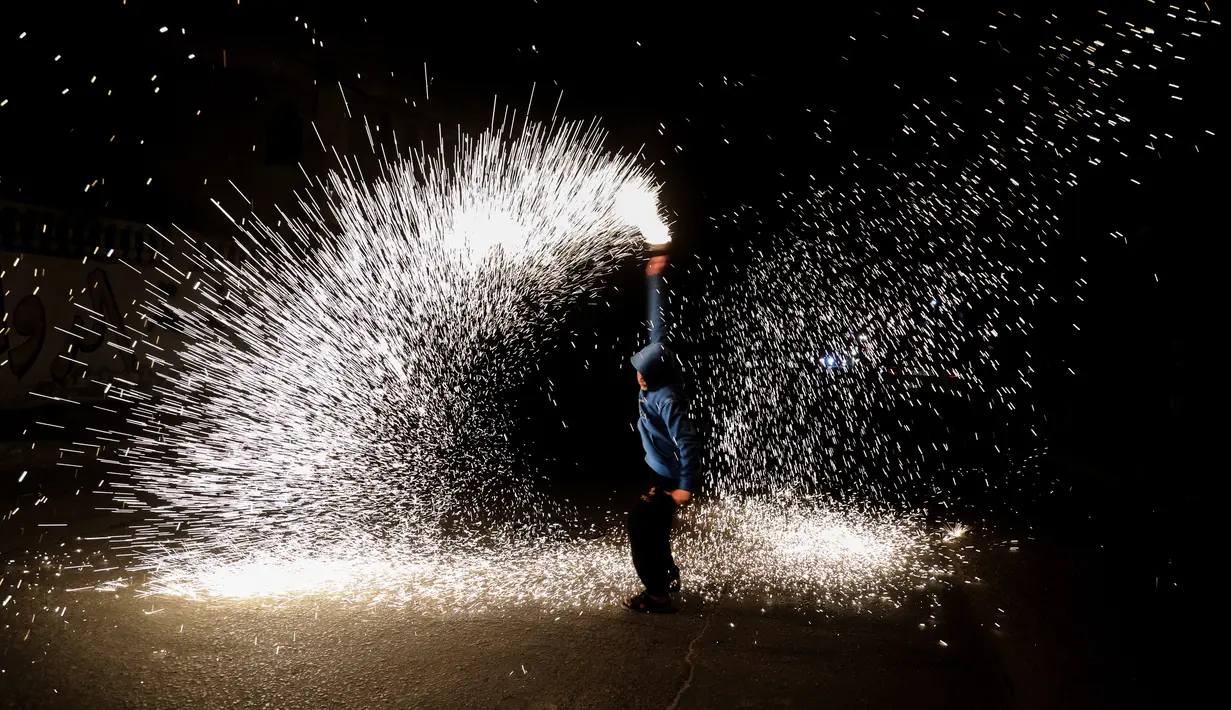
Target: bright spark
[341, 382]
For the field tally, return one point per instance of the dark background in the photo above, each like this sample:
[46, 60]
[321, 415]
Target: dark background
[735, 108]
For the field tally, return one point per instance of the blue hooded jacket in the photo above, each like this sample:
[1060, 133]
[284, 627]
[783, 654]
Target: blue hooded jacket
[672, 446]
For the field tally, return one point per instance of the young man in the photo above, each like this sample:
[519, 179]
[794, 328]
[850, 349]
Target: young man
[672, 450]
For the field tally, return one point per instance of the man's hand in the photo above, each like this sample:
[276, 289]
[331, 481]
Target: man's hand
[680, 496]
[656, 265]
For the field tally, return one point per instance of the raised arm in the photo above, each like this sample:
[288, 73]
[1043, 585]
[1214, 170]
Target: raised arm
[656, 299]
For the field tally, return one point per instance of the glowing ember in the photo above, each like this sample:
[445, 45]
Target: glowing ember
[955, 532]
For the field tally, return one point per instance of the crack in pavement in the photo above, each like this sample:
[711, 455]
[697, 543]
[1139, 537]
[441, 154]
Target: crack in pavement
[691, 668]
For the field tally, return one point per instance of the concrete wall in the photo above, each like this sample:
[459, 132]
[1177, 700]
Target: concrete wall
[52, 347]
[69, 295]
[163, 163]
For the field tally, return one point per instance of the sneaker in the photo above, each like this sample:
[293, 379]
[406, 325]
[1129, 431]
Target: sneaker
[644, 603]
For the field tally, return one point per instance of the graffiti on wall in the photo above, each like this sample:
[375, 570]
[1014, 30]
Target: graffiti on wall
[59, 318]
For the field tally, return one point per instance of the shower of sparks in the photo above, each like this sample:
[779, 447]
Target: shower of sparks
[833, 359]
[326, 417]
[340, 383]
[806, 552]
[331, 422]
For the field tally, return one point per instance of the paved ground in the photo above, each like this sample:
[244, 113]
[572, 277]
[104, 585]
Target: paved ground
[236, 655]
[1054, 623]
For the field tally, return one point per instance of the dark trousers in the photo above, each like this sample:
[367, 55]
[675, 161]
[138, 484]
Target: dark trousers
[649, 533]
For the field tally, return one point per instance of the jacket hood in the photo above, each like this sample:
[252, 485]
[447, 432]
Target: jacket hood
[656, 363]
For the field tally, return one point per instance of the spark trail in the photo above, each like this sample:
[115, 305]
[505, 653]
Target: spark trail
[886, 294]
[341, 381]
